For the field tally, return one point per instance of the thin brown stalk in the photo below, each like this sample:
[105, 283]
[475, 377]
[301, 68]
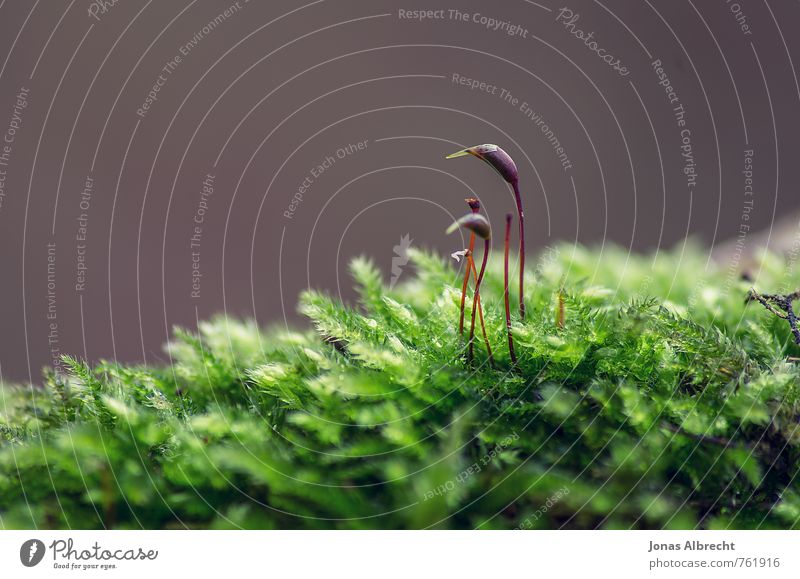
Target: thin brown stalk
[476, 298]
[471, 266]
[475, 205]
[509, 217]
[521, 214]
[465, 284]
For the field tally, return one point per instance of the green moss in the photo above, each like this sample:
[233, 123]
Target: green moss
[664, 402]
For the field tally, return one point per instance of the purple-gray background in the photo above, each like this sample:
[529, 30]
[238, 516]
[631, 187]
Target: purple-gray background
[264, 95]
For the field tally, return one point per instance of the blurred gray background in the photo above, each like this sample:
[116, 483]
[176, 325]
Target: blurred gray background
[286, 137]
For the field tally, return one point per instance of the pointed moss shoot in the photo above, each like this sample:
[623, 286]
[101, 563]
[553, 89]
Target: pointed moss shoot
[509, 217]
[560, 308]
[478, 225]
[502, 162]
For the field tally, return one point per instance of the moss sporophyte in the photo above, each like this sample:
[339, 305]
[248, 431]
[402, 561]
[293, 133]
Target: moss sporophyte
[502, 162]
[479, 225]
[475, 206]
[471, 269]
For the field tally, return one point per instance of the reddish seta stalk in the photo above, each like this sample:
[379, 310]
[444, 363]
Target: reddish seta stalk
[509, 217]
[518, 200]
[476, 298]
[475, 205]
[471, 266]
[501, 162]
[466, 283]
[479, 225]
